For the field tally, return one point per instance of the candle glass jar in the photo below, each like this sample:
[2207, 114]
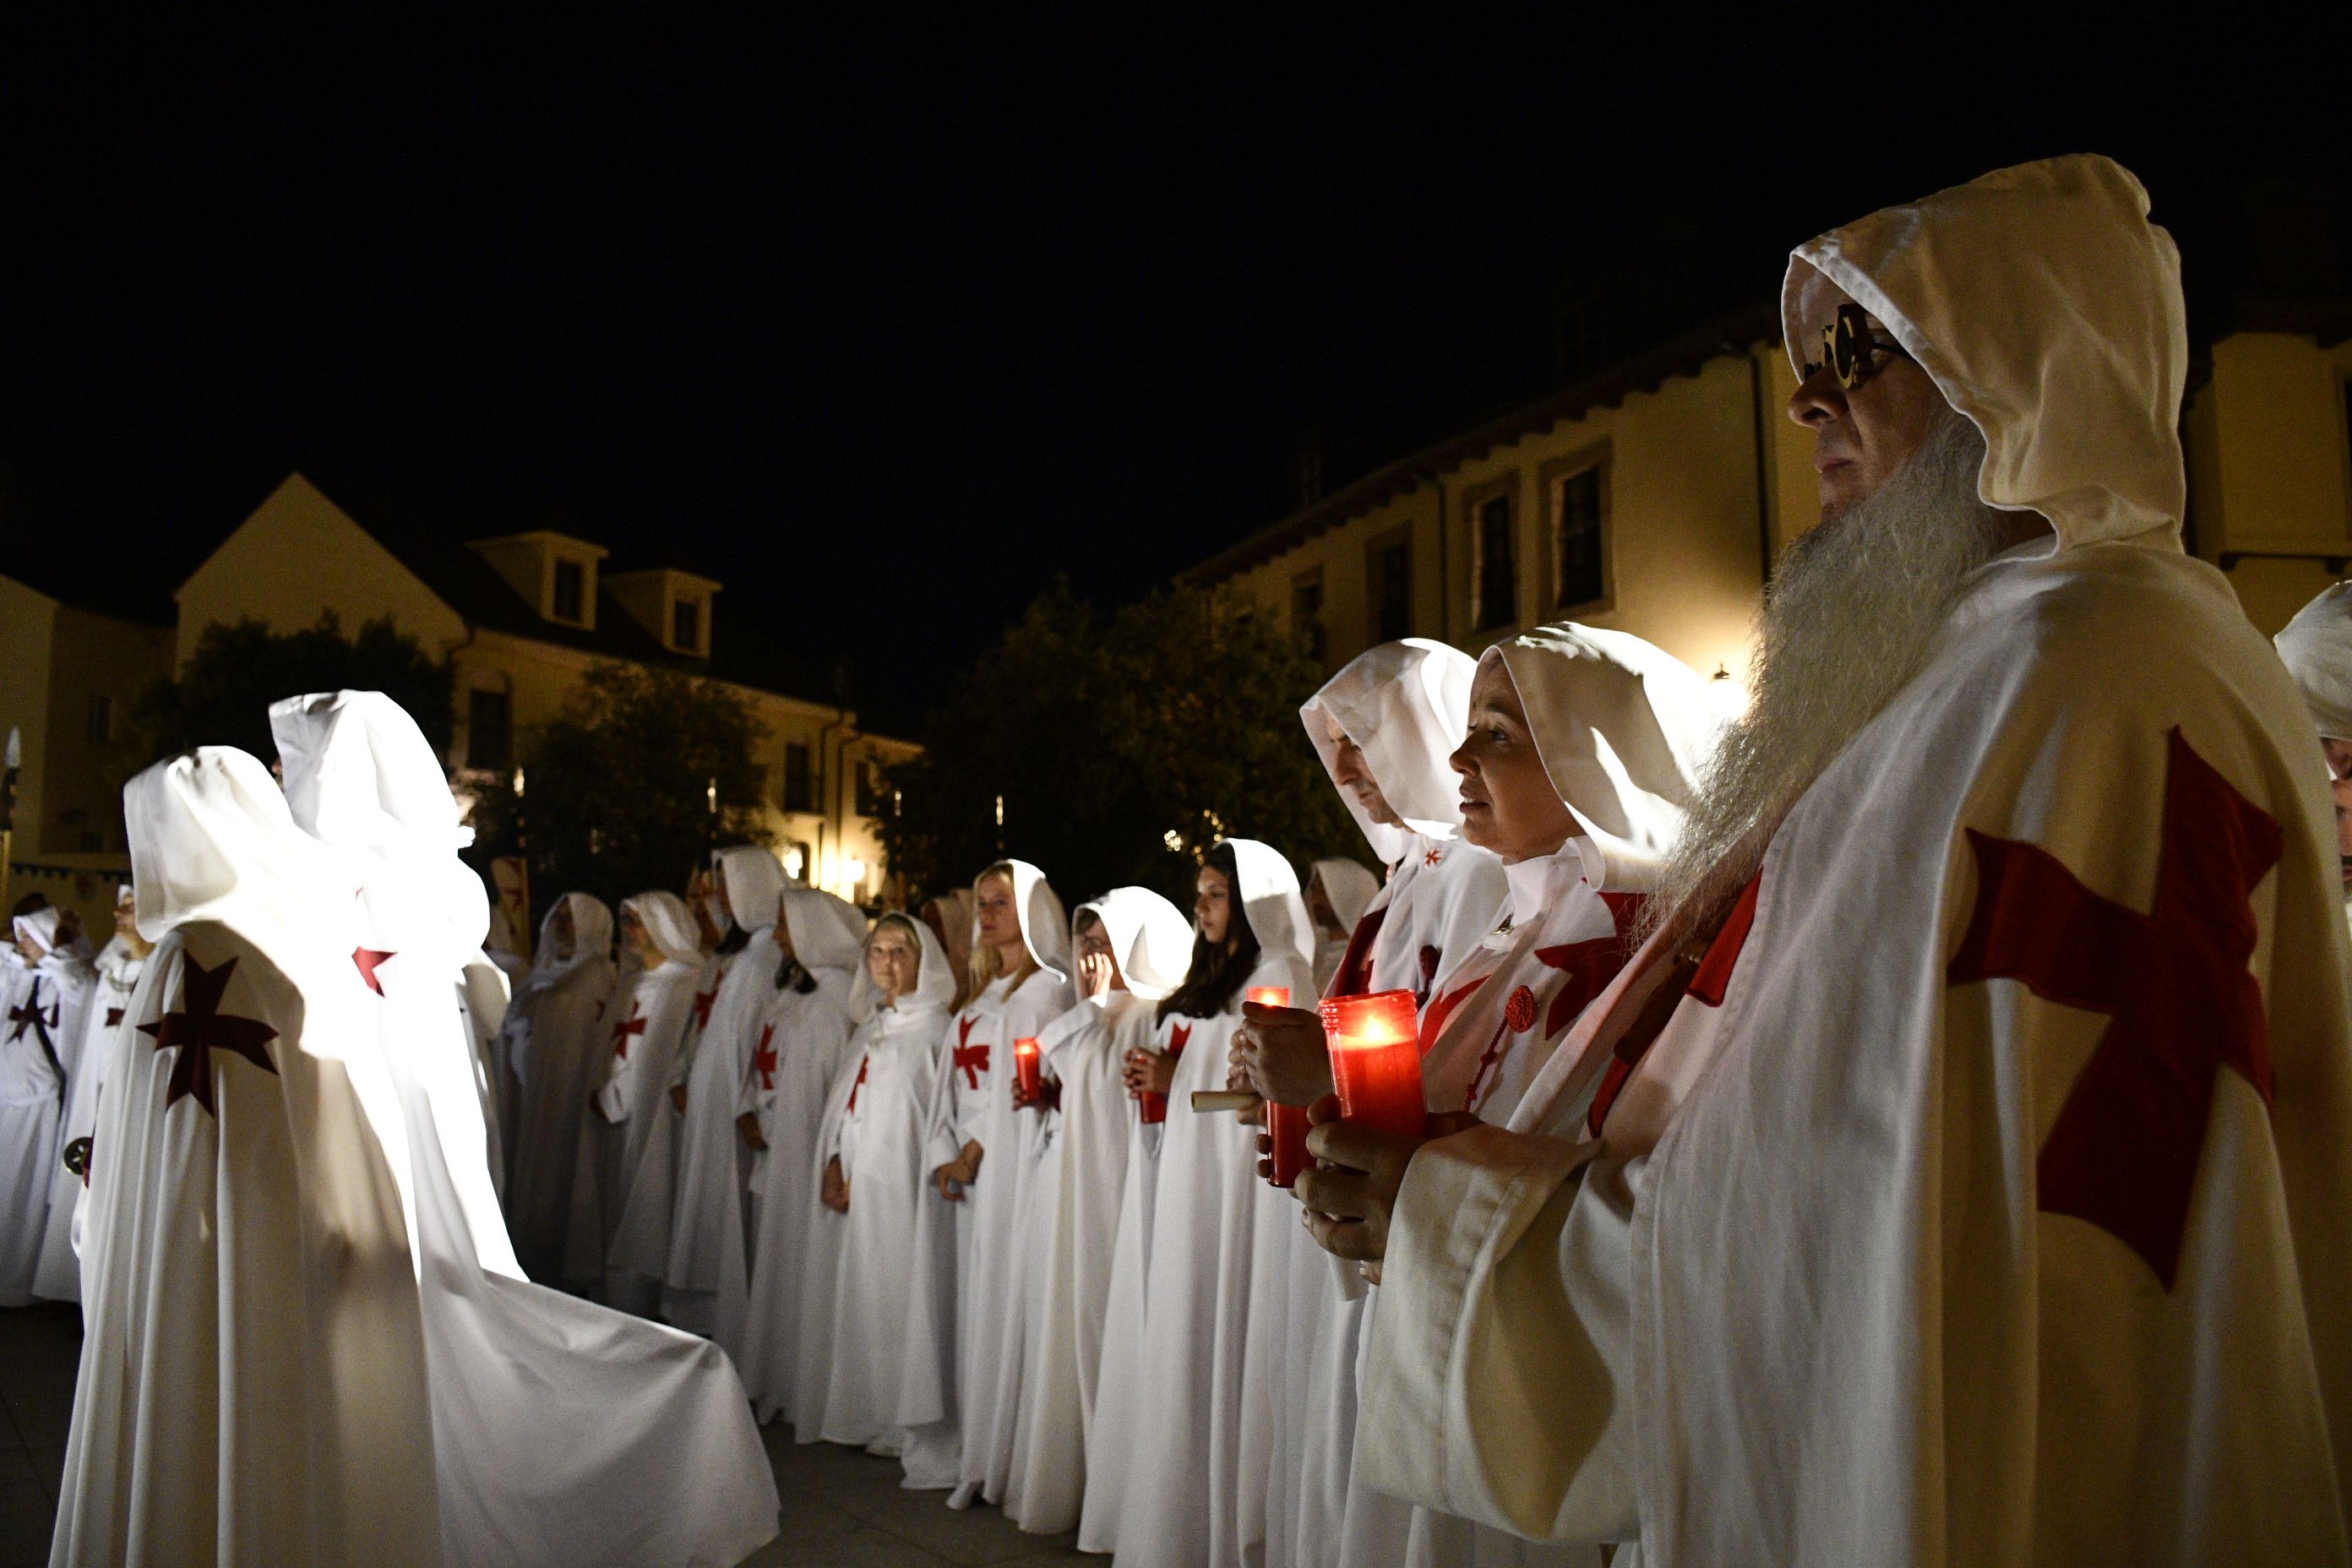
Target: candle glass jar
[1375, 1044]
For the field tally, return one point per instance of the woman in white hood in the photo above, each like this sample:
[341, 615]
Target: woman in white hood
[40, 1040]
[1131, 946]
[981, 1149]
[1187, 1488]
[802, 1043]
[876, 1174]
[556, 1035]
[709, 1208]
[1339, 891]
[564, 1432]
[646, 1025]
[118, 968]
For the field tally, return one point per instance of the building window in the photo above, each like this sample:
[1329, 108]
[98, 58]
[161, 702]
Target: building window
[1498, 565]
[685, 625]
[99, 723]
[1388, 587]
[571, 591]
[489, 737]
[799, 778]
[1580, 510]
[1306, 611]
[869, 788]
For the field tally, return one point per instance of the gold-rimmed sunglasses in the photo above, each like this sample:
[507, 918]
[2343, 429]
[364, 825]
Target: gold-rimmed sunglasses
[1853, 349]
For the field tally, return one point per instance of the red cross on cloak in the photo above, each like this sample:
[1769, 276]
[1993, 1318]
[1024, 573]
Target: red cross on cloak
[1432, 856]
[23, 1016]
[201, 1029]
[368, 960]
[863, 1063]
[1179, 1036]
[763, 1060]
[637, 1025]
[969, 1059]
[702, 1001]
[2173, 984]
[113, 1016]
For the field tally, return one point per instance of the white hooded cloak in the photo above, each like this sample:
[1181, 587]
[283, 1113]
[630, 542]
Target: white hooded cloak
[2316, 646]
[40, 1044]
[555, 1039]
[104, 1025]
[564, 1433]
[1961, 1212]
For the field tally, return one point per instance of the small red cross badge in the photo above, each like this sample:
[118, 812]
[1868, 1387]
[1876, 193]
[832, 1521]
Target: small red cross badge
[763, 1060]
[2173, 984]
[368, 959]
[23, 1016]
[702, 1001]
[969, 1059]
[113, 1016]
[863, 1063]
[1432, 856]
[201, 1029]
[637, 1025]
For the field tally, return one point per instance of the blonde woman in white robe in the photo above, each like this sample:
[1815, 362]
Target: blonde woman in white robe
[1196, 1467]
[118, 968]
[253, 1384]
[39, 1041]
[1131, 947]
[876, 1174]
[564, 1433]
[556, 1035]
[708, 1207]
[643, 1030]
[802, 1045]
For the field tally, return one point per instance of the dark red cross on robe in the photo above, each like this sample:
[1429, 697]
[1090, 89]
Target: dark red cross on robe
[1179, 1036]
[637, 1025]
[863, 1063]
[368, 960]
[23, 1016]
[969, 1059]
[201, 1028]
[113, 1016]
[1706, 987]
[702, 1001]
[2174, 983]
[763, 1060]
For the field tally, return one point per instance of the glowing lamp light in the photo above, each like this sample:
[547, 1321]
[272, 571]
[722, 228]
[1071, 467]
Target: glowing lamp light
[518, 783]
[856, 872]
[1285, 1125]
[794, 864]
[1026, 1068]
[1375, 1043]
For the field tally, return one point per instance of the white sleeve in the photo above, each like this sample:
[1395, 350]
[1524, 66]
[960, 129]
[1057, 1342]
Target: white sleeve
[1499, 1384]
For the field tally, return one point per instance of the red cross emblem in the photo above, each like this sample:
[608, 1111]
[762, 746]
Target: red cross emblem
[862, 1064]
[113, 1016]
[621, 1032]
[201, 1029]
[763, 1060]
[368, 959]
[2173, 982]
[702, 1001]
[23, 1016]
[1433, 857]
[1440, 1013]
[1179, 1036]
[969, 1059]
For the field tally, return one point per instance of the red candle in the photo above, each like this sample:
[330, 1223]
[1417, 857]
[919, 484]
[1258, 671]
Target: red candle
[1025, 1068]
[1376, 1060]
[1285, 1125]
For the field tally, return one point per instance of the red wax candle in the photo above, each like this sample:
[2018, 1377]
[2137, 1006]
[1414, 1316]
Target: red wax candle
[1376, 1060]
[1025, 1068]
[1285, 1125]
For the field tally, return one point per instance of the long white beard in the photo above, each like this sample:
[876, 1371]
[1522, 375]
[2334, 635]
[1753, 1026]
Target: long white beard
[1847, 623]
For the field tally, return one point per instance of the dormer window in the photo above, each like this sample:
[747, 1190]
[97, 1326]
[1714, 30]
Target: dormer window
[686, 625]
[571, 591]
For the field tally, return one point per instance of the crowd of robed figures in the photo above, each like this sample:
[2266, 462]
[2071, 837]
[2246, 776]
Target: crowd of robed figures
[1826, 1159]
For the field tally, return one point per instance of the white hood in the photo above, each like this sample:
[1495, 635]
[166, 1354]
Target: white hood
[1406, 705]
[828, 934]
[1044, 929]
[1624, 729]
[2317, 648]
[1350, 888]
[2048, 310]
[935, 982]
[40, 926]
[1149, 939]
[591, 942]
[669, 922]
[755, 880]
[211, 840]
[1271, 900]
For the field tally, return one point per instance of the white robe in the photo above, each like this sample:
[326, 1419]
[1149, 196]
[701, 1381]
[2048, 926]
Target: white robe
[640, 1248]
[645, 1024]
[707, 1206]
[1121, 1392]
[555, 1039]
[882, 1143]
[39, 1038]
[1078, 1191]
[60, 1274]
[792, 1081]
[1976, 1376]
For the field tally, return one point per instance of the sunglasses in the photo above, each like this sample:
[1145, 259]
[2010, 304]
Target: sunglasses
[1851, 348]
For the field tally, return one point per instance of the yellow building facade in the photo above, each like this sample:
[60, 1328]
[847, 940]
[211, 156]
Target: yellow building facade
[1655, 498]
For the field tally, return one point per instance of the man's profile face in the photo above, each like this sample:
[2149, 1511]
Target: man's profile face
[1350, 772]
[1861, 434]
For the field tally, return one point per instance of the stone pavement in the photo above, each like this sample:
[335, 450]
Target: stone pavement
[842, 1509]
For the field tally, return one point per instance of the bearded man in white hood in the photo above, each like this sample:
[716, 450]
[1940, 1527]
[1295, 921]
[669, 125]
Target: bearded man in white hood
[1957, 1173]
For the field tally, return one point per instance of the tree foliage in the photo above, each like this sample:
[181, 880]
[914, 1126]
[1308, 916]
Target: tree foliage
[1122, 746]
[221, 696]
[616, 792]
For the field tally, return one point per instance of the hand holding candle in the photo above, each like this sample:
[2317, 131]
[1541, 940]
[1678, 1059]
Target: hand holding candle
[1376, 1060]
[1027, 1071]
[1285, 1125]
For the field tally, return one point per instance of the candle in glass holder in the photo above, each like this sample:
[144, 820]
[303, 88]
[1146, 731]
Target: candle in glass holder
[1285, 1125]
[1025, 1069]
[1375, 1045]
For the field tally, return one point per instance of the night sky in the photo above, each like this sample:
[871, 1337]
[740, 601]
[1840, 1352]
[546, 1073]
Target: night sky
[883, 328]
